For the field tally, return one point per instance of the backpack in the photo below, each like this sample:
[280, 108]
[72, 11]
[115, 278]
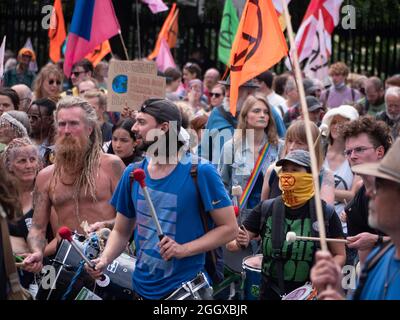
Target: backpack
[275, 207]
[214, 263]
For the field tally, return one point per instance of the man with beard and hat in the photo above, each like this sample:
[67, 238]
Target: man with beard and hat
[380, 275]
[80, 182]
[179, 257]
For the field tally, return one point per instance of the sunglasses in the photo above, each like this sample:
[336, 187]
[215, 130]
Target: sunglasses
[51, 82]
[215, 94]
[77, 73]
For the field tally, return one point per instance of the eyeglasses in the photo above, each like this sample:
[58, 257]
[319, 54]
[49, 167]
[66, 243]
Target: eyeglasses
[215, 94]
[357, 150]
[51, 82]
[77, 73]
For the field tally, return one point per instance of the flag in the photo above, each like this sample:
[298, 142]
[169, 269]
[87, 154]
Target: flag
[227, 32]
[57, 32]
[172, 35]
[313, 39]
[165, 30]
[33, 66]
[156, 6]
[259, 44]
[164, 58]
[93, 22]
[317, 64]
[279, 10]
[2, 49]
[99, 53]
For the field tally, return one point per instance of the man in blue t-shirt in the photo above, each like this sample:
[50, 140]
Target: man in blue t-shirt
[162, 266]
[380, 278]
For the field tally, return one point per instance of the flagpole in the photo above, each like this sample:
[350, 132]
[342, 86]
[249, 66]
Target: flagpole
[123, 45]
[138, 29]
[314, 167]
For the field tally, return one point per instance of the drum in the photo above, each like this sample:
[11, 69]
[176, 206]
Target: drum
[196, 289]
[306, 292]
[117, 284]
[251, 277]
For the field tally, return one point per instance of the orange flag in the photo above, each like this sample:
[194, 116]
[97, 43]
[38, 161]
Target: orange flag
[259, 44]
[165, 31]
[99, 53]
[173, 29]
[57, 33]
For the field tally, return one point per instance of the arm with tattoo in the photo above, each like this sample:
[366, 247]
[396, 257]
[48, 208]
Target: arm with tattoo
[41, 216]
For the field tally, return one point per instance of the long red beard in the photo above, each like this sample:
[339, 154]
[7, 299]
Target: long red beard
[70, 153]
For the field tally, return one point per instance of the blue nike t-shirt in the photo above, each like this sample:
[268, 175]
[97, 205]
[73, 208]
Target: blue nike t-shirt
[176, 203]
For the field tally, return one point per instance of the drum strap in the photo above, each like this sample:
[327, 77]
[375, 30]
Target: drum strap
[369, 264]
[278, 237]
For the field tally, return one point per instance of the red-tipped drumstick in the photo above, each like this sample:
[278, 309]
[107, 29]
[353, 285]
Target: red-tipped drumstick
[66, 234]
[139, 176]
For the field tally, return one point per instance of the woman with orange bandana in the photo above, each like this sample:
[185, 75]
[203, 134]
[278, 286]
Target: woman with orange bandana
[286, 266]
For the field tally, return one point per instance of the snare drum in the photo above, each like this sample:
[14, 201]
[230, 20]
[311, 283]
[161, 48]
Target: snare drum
[196, 289]
[118, 275]
[306, 292]
[251, 277]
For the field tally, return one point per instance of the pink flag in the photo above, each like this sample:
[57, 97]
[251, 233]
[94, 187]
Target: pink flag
[93, 22]
[164, 58]
[156, 6]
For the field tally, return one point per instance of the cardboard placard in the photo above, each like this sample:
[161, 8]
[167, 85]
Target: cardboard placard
[131, 83]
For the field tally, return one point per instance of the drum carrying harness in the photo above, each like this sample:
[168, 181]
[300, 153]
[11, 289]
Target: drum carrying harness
[278, 233]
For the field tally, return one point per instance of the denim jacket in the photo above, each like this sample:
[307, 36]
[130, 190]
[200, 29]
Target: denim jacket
[237, 171]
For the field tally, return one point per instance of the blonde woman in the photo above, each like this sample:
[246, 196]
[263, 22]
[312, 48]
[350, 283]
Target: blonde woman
[296, 139]
[255, 141]
[48, 83]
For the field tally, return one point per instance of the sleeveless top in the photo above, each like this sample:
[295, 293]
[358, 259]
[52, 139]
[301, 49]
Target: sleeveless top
[343, 181]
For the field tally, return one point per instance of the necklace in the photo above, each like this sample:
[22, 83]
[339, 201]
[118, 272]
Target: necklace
[389, 279]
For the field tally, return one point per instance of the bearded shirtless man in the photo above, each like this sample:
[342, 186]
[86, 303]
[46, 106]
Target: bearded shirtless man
[81, 181]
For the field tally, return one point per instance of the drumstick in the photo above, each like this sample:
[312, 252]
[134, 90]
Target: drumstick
[292, 237]
[139, 176]
[236, 193]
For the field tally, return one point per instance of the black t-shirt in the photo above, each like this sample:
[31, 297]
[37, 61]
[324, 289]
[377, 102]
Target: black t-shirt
[298, 257]
[21, 227]
[357, 214]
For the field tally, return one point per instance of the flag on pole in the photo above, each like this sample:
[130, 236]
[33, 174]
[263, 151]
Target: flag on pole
[259, 44]
[2, 50]
[93, 22]
[172, 35]
[57, 32]
[165, 31]
[156, 6]
[99, 53]
[229, 25]
[313, 39]
[164, 58]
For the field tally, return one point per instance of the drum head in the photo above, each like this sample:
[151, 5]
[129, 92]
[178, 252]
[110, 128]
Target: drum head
[253, 262]
[302, 293]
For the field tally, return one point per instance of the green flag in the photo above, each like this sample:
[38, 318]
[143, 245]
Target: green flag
[229, 25]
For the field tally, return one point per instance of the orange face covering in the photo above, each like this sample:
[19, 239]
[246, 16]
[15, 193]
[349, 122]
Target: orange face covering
[297, 188]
